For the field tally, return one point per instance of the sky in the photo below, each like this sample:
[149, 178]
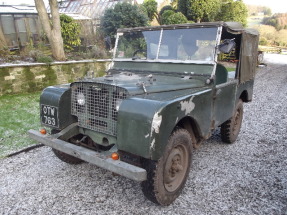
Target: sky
[277, 6]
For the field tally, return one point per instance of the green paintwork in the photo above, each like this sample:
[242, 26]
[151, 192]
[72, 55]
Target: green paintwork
[98, 137]
[137, 114]
[224, 102]
[166, 67]
[245, 88]
[163, 95]
[159, 82]
[60, 97]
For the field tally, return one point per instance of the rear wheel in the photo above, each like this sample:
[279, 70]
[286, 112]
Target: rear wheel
[167, 176]
[230, 129]
[260, 57]
[63, 156]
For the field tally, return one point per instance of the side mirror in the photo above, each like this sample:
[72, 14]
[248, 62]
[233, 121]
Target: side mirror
[226, 46]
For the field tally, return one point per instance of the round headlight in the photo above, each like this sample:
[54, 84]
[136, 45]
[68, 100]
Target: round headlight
[81, 99]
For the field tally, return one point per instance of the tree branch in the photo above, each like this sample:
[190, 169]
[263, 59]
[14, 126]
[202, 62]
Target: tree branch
[55, 15]
[44, 18]
[2, 38]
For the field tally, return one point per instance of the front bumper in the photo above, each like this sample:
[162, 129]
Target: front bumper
[97, 158]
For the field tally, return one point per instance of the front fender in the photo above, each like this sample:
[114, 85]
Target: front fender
[144, 125]
[166, 119]
[60, 97]
[135, 119]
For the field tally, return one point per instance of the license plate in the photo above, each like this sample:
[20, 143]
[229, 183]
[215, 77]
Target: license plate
[49, 115]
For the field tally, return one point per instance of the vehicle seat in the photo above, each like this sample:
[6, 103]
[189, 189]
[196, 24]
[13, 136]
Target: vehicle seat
[221, 74]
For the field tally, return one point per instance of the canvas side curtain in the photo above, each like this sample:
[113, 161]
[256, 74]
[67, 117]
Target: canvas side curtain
[249, 49]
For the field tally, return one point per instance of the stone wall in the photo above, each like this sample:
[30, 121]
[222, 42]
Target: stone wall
[35, 77]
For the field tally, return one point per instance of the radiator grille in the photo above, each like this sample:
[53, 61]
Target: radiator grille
[98, 112]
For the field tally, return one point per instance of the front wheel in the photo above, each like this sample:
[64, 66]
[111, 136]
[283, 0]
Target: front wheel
[63, 156]
[66, 157]
[230, 129]
[167, 176]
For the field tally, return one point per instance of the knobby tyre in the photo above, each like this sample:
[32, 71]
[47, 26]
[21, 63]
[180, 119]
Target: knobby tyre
[167, 176]
[231, 128]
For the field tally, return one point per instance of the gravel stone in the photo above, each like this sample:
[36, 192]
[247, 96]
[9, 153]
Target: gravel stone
[247, 177]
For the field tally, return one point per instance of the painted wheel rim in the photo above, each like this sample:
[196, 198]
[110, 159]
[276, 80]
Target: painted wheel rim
[175, 168]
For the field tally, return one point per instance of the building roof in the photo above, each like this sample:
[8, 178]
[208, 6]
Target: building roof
[93, 9]
[17, 9]
[78, 9]
[77, 16]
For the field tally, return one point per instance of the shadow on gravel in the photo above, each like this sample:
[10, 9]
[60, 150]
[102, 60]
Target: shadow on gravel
[27, 149]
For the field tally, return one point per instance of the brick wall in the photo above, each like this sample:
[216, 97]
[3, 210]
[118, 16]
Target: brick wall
[35, 77]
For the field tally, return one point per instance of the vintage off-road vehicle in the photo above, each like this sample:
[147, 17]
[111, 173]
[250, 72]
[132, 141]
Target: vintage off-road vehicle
[164, 94]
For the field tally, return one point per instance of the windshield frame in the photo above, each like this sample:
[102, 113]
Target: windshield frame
[157, 59]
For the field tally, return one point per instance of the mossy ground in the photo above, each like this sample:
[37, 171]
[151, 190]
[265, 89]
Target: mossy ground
[19, 113]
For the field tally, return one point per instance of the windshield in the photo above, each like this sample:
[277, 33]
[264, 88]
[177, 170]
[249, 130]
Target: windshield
[196, 44]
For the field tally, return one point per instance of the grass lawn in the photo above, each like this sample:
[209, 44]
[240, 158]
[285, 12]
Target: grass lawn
[19, 113]
[229, 69]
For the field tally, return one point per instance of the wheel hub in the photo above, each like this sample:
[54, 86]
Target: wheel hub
[176, 167]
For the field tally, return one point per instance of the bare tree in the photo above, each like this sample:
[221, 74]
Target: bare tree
[2, 39]
[52, 27]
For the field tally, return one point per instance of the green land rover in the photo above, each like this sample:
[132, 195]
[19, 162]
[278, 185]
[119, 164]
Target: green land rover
[165, 92]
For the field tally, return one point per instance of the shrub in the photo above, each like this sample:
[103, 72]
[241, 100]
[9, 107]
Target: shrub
[263, 41]
[166, 14]
[150, 8]
[123, 15]
[98, 52]
[169, 17]
[4, 52]
[167, 7]
[177, 18]
[70, 32]
[34, 54]
[44, 59]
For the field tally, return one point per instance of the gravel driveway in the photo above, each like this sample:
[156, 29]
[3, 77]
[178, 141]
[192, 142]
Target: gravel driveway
[247, 177]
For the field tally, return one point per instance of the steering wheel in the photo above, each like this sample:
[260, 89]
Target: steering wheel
[143, 52]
